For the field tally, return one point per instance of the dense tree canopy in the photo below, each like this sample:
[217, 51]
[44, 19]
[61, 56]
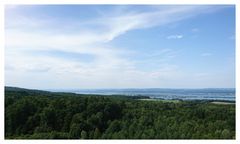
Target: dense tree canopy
[44, 115]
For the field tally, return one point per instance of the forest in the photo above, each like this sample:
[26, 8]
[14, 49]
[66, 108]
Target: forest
[35, 114]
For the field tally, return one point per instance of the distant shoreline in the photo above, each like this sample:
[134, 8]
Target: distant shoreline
[149, 98]
[219, 102]
[148, 95]
[222, 103]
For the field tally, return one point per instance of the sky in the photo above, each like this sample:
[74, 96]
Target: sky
[120, 46]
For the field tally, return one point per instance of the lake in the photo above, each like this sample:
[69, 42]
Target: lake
[160, 93]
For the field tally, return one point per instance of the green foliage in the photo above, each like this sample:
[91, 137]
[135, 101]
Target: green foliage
[84, 134]
[33, 114]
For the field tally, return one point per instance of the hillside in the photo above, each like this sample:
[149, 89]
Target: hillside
[34, 114]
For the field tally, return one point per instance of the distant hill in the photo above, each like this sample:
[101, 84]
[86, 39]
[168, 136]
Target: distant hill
[17, 89]
[9, 88]
[31, 92]
[10, 91]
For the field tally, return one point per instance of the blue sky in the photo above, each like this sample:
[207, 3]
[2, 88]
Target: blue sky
[120, 46]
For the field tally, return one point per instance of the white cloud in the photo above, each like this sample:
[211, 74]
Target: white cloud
[109, 67]
[175, 37]
[125, 22]
[10, 7]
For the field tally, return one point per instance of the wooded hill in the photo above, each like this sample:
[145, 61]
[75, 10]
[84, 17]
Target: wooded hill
[34, 114]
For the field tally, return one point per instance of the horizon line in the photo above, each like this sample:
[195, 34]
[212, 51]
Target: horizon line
[46, 89]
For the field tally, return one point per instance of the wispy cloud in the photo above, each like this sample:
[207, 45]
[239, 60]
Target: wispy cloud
[108, 63]
[175, 36]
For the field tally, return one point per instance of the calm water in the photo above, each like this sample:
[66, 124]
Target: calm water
[184, 94]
